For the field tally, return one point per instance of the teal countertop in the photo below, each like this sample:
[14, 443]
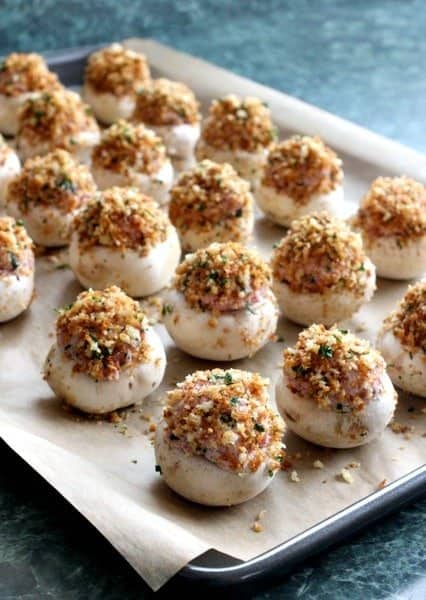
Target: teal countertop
[363, 60]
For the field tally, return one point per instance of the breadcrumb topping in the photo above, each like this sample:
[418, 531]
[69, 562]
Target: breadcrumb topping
[211, 196]
[16, 248]
[320, 252]
[166, 103]
[334, 368]
[238, 124]
[408, 321]
[57, 118]
[122, 218]
[394, 206]
[103, 333]
[117, 71]
[25, 73]
[223, 277]
[225, 417]
[127, 148]
[302, 167]
[56, 180]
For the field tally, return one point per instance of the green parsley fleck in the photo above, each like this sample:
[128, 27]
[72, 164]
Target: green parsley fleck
[325, 351]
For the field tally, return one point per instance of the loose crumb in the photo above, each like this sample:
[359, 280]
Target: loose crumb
[382, 484]
[345, 476]
[317, 464]
[257, 527]
[294, 476]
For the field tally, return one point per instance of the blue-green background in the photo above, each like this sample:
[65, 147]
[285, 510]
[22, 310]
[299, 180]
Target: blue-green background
[364, 60]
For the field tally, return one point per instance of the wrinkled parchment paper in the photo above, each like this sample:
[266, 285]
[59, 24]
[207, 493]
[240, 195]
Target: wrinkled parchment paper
[106, 469]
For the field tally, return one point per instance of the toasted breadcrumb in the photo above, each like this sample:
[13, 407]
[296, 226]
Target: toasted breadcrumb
[257, 527]
[294, 477]
[117, 71]
[393, 206]
[122, 218]
[238, 124]
[339, 371]
[24, 73]
[225, 417]
[16, 248]
[345, 476]
[408, 321]
[127, 148]
[320, 252]
[56, 118]
[302, 167]
[382, 484]
[317, 464]
[166, 103]
[55, 180]
[211, 197]
[103, 333]
[223, 277]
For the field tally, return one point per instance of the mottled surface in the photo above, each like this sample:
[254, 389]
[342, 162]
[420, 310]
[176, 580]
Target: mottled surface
[364, 60]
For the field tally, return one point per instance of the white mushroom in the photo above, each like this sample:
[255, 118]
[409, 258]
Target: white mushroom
[219, 442]
[221, 306]
[47, 195]
[16, 269]
[123, 238]
[240, 132]
[131, 155]
[321, 273]
[53, 120]
[211, 203]
[402, 341]
[392, 222]
[22, 76]
[112, 79]
[334, 390]
[106, 355]
[171, 110]
[9, 167]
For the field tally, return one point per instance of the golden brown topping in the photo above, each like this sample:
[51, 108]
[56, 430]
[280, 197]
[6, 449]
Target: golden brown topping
[239, 124]
[211, 196]
[55, 179]
[225, 417]
[166, 102]
[408, 321]
[16, 256]
[334, 368]
[320, 252]
[223, 277]
[117, 71]
[394, 206]
[24, 73]
[122, 218]
[103, 333]
[302, 167]
[126, 148]
[57, 118]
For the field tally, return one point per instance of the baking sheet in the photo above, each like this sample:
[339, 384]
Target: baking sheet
[106, 469]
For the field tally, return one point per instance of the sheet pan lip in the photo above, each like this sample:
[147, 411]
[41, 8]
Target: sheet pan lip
[352, 518]
[318, 537]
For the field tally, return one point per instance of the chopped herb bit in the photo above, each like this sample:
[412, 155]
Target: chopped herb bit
[259, 427]
[361, 267]
[65, 183]
[270, 473]
[14, 260]
[344, 331]
[234, 401]
[158, 469]
[167, 309]
[325, 351]
[249, 308]
[226, 418]
[228, 378]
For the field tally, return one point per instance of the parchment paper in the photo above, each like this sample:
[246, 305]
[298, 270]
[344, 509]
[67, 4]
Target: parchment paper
[106, 469]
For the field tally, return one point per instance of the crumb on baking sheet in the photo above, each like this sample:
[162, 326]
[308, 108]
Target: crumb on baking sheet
[317, 464]
[294, 477]
[382, 484]
[345, 475]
